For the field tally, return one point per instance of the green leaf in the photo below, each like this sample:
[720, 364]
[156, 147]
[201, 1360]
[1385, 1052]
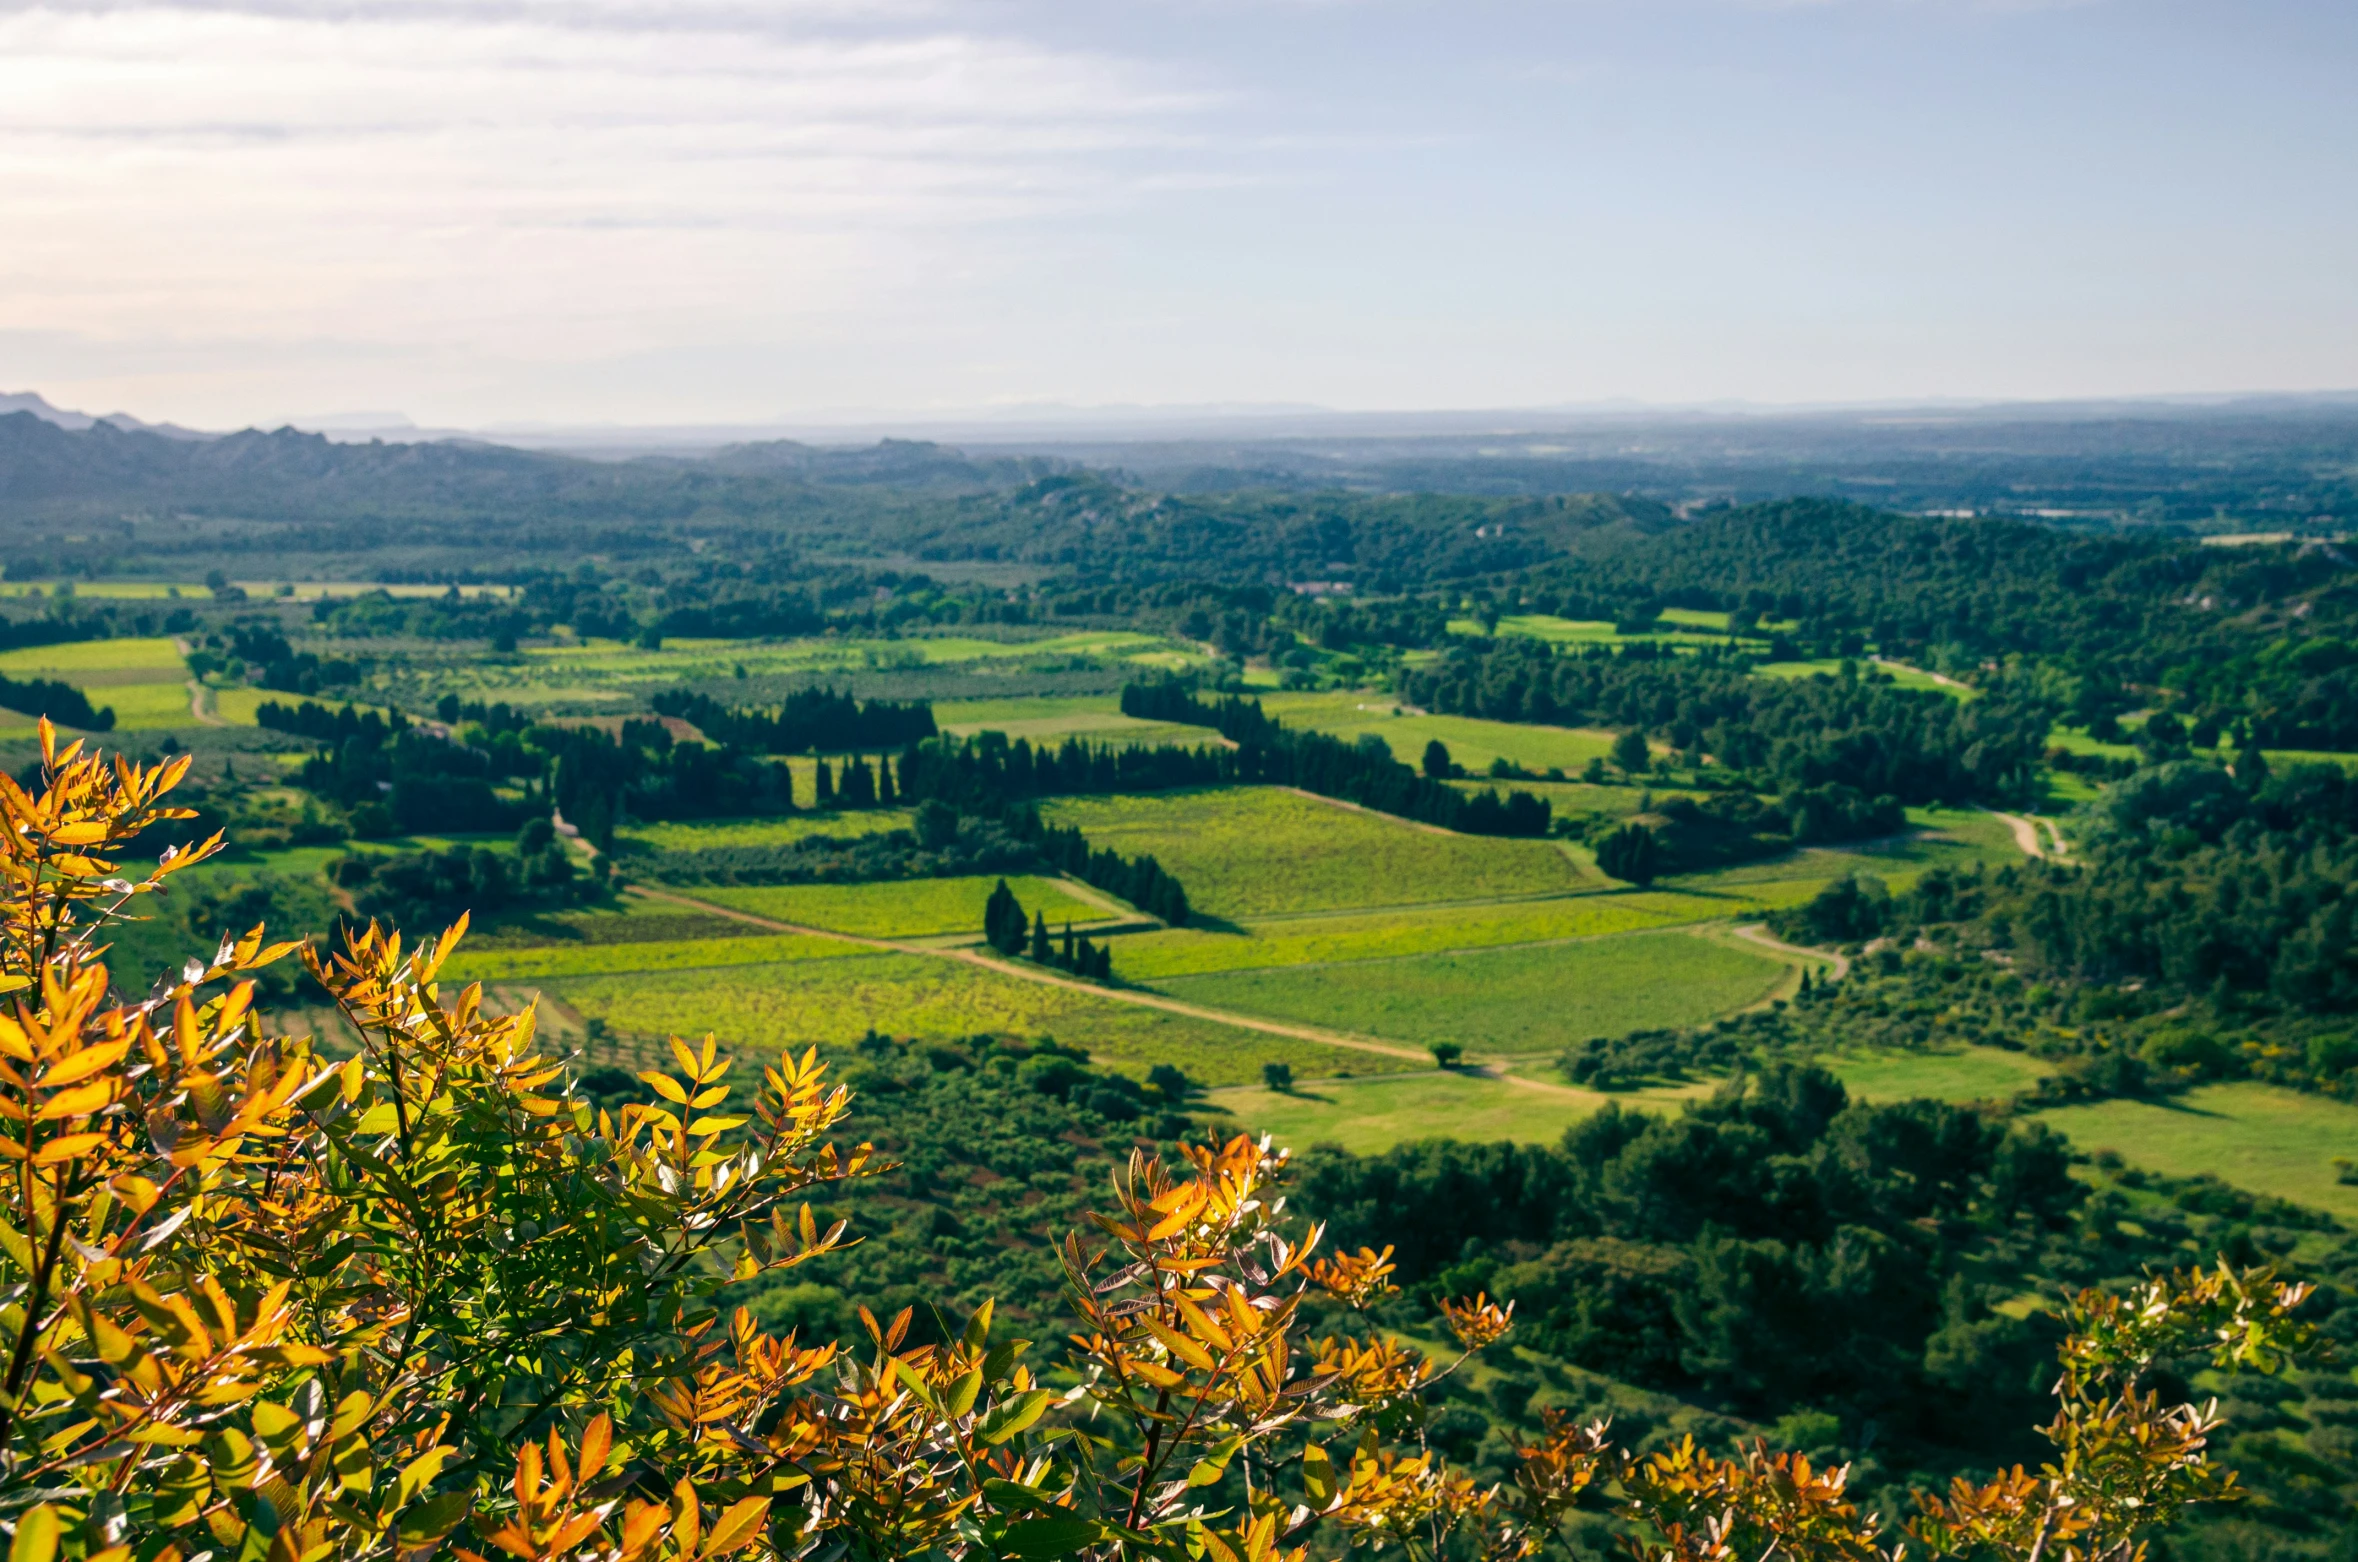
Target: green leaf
[1040, 1538]
[1214, 1464]
[36, 1536]
[1015, 1497]
[1001, 1360]
[1318, 1475]
[960, 1398]
[1012, 1416]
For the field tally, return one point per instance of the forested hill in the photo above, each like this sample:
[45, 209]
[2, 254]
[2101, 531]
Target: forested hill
[467, 507]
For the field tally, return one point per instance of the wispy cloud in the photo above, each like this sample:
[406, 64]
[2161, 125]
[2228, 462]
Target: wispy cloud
[524, 177]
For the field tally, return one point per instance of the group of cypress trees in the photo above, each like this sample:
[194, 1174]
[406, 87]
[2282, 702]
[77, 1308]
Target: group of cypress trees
[857, 786]
[1006, 929]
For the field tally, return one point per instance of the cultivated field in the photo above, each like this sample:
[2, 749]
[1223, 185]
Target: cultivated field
[1253, 851]
[1519, 1000]
[917, 908]
[833, 1002]
[1304, 940]
[709, 835]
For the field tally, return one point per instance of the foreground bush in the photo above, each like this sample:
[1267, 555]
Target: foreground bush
[263, 1303]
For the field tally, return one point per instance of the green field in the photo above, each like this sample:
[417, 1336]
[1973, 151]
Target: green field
[1687, 628]
[1307, 940]
[833, 1002]
[1961, 1074]
[709, 835]
[1508, 1000]
[1943, 838]
[617, 959]
[2259, 1137]
[1472, 742]
[94, 656]
[1368, 1116]
[916, 908]
[1096, 718]
[146, 707]
[1900, 675]
[1251, 851]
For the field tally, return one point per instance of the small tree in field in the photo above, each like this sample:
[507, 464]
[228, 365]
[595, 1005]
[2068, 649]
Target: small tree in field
[1630, 755]
[1278, 1076]
[264, 1303]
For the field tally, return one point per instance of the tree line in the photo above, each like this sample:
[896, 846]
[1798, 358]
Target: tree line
[1775, 734]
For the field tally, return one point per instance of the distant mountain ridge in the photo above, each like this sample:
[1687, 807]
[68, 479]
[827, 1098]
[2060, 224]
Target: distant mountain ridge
[39, 406]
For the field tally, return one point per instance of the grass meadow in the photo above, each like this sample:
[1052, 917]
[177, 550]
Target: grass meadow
[833, 1002]
[1253, 851]
[1519, 1000]
[2260, 1137]
[915, 908]
[1370, 1115]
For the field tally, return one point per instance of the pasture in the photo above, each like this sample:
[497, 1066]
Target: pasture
[912, 908]
[1254, 851]
[2261, 1137]
[1516, 1000]
[832, 1003]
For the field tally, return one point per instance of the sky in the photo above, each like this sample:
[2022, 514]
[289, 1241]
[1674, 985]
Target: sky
[498, 212]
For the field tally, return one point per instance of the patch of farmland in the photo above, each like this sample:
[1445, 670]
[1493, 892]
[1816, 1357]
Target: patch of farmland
[834, 1002]
[1472, 742]
[1309, 940]
[66, 662]
[615, 959]
[1252, 851]
[714, 834]
[146, 707]
[1508, 1000]
[910, 908]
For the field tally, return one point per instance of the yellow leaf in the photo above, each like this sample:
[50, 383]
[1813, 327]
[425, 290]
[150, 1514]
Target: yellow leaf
[36, 1536]
[85, 1063]
[666, 1086]
[87, 833]
[740, 1526]
[70, 1147]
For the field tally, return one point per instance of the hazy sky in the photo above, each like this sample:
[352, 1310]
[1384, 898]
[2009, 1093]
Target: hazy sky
[478, 211]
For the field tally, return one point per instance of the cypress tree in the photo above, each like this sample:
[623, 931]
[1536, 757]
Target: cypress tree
[858, 787]
[823, 794]
[1004, 923]
[1067, 959]
[1040, 950]
[885, 791]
